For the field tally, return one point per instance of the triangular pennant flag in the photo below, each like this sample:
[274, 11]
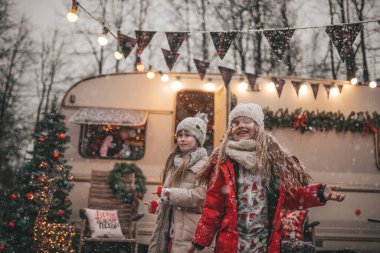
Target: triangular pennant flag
[226, 74]
[297, 86]
[143, 39]
[315, 88]
[252, 81]
[126, 44]
[279, 84]
[202, 67]
[343, 38]
[170, 57]
[340, 87]
[327, 87]
[222, 41]
[175, 39]
[279, 41]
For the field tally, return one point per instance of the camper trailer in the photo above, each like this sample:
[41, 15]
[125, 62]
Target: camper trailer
[148, 109]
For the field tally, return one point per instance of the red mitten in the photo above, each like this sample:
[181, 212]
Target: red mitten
[153, 206]
[159, 191]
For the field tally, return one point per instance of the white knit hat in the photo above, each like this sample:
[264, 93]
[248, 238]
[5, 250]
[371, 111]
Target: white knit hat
[196, 126]
[252, 111]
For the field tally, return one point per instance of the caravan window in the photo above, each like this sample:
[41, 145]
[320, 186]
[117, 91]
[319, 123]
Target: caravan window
[189, 103]
[112, 142]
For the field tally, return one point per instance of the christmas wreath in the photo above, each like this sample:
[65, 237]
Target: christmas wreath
[121, 190]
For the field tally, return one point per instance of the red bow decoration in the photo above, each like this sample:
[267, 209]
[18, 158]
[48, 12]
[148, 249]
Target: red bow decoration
[300, 120]
[372, 126]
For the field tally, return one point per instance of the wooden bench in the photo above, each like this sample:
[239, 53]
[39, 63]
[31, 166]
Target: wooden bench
[102, 197]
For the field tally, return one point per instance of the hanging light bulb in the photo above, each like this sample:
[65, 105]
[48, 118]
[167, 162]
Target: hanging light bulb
[118, 54]
[243, 86]
[334, 91]
[303, 89]
[150, 74]
[373, 84]
[102, 39]
[72, 16]
[354, 81]
[177, 85]
[164, 77]
[140, 66]
[271, 87]
[209, 86]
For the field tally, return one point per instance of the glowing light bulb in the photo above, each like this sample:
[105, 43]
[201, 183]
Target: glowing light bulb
[209, 86]
[118, 55]
[354, 81]
[102, 39]
[373, 84]
[243, 86]
[140, 66]
[150, 74]
[271, 87]
[164, 78]
[177, 85]
[334, 91]
[303, 89]
[72, 16]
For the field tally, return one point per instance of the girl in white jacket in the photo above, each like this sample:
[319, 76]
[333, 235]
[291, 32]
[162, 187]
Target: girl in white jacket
[181, 197]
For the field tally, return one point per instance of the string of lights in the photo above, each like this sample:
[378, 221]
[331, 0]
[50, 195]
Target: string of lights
[72, 16]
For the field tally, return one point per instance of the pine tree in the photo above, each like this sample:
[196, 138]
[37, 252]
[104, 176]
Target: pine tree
[46, 172]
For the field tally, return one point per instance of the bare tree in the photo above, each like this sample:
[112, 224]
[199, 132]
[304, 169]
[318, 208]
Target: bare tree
[15, 51]
[51, 62]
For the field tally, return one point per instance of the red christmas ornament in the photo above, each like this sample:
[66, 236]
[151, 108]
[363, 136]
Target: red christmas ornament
[14, 196]
[2, 248]
[66, 199]
[29, 196]
[43, 165]
[55, 154]
[61, 212]
[358, 212]
[61, 135]
[41, 139]
[41, 179]
[11, 225]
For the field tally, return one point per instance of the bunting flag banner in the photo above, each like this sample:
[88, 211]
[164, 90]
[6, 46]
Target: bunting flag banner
[279, 41]
[279, 84]
[343, 38]
[175, 39]
[143, 39]
[202, 67]
[126, 44]
[222, 41]
[252, 82]
[315, 88]
[297, 85]
[226, 74]
[327, 87]
[170, 57]
[340, 87]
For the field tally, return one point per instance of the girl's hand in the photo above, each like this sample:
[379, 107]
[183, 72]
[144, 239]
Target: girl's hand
[330, 194]
[191, 249]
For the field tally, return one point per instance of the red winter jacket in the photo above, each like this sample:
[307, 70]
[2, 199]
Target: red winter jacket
[220, 211]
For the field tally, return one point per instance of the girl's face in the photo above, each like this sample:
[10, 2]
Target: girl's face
[186, 142]
[243, 128]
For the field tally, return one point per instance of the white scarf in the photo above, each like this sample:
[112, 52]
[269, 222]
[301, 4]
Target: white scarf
[195, 156]
[243, 152]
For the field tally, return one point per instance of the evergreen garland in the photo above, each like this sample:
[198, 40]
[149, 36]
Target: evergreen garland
[304, 121]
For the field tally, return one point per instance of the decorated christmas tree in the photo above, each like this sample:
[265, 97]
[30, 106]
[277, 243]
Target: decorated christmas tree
[40, 196]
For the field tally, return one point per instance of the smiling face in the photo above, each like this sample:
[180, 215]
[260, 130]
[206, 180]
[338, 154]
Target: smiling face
[243, 128]
[186, 142]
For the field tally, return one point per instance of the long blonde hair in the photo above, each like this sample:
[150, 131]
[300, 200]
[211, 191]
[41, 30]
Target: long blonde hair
[273, 162]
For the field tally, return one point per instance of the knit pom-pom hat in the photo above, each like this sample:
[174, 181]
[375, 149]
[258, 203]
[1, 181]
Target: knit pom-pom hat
[250, 110]
[196, 126]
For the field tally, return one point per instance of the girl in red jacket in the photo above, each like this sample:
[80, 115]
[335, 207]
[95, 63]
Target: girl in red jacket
[250, 177]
